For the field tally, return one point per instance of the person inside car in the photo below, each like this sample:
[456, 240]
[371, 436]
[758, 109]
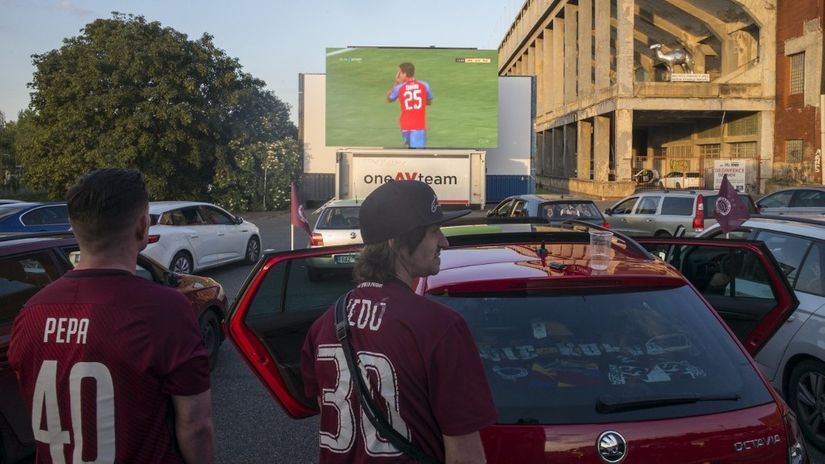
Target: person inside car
[418, 354]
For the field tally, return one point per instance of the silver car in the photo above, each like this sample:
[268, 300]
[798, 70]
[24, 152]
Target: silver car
[334, 223]
[799, 201]
[555, 208]
[793, 359]
[664, 213]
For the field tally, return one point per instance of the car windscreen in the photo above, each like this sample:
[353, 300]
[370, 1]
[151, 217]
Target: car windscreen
[344, 217]
[595, 357]
[572, 209]
[710, 204]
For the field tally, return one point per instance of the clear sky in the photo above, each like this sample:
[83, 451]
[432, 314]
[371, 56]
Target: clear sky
[274, 40]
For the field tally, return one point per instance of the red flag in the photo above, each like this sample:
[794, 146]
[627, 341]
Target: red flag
[298, 218]
[730, 210]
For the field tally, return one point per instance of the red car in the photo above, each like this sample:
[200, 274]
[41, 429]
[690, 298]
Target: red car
[630, 364]
[29, 263]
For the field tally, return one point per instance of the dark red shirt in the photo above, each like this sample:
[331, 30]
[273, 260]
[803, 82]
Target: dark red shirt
[418, 354]
[98, 354]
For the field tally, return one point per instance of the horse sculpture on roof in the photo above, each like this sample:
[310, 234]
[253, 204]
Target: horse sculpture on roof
[676, 56]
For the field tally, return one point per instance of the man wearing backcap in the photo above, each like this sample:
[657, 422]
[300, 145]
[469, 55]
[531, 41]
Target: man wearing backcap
[422, 364]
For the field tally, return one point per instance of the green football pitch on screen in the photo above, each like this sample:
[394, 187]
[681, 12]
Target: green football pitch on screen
[464, 108]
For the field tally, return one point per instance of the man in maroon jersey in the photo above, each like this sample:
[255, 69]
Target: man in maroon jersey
[414, 97]
[112, 366]
[419, 355]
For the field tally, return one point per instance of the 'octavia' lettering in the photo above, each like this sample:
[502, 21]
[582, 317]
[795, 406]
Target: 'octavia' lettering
[757, 443]
[66, 330]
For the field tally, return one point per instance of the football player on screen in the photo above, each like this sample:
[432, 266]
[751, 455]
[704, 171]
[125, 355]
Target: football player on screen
[414, 96]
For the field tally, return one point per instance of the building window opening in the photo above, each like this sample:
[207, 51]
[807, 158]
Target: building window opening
[793, 151]
[743, 150]
[797, 79]
[710, 150]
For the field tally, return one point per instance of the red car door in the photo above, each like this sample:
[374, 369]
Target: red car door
[739, 278]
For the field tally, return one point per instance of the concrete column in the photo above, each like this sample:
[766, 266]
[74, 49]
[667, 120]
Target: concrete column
[585, 149]
[601, 148]
[529, 57]
[765, 147]
[624, 47]
[585, 48]
[539, 70]
[624, 144]
[571, 149]
[547, 71]
[602, 44]
[570, 52]
[557, 162]
[558, 62]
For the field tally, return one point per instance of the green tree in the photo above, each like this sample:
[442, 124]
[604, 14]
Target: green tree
[9, 181]
[127, 92]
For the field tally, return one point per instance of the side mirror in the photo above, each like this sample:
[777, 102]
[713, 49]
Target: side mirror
[490, 213]
[608, 211]
[238, 220]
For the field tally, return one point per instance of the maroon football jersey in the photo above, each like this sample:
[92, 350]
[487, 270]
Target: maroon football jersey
[417, 353]
[98, 354]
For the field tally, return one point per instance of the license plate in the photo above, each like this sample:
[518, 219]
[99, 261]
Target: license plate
[345, 259]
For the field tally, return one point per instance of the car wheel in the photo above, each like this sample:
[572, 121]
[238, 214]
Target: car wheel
[181, 263]
[678, 185]
[807, 398]
[662, 233]
[211, 333]
[661, 185]
[253, 250]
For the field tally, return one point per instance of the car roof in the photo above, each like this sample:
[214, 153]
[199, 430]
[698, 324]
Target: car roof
[796, 226]
[568, 251]
[339, 203]
[14, 243]
[156, 207]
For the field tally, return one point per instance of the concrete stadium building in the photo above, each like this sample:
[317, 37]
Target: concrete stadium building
[613, 96]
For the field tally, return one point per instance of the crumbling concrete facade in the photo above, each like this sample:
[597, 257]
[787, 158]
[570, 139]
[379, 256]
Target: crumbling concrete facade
[609, 105]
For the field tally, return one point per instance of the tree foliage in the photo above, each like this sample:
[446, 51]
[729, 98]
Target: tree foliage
[131, 93]
[9, 181]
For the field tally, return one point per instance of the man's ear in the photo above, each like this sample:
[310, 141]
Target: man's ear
[142, 229]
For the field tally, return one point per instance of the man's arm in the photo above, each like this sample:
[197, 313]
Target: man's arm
[464, 449]
[194, 427]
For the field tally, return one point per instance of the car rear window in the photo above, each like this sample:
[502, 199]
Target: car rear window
[572, 209]
[710, 204]
[678, 206]
[559, 358]
[345, 217]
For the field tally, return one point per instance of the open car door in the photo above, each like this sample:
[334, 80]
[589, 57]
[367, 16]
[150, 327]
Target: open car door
[285, 293]
[741, 280]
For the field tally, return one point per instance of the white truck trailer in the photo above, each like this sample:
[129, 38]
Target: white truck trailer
[457, 176]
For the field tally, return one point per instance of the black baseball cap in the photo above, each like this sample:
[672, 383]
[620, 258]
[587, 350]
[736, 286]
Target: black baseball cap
[398, 207]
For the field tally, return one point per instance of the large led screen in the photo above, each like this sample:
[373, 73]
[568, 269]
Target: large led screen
[411, 97]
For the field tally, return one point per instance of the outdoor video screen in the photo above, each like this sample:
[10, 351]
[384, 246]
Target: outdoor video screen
[411, 97]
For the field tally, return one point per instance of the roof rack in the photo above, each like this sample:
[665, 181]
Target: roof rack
[629, 241]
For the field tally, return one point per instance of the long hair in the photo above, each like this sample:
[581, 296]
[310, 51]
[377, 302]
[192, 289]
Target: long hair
[376, 263]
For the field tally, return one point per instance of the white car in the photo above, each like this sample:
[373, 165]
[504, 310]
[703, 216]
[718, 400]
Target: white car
[679, 180]
[334, 223]
[189, 236]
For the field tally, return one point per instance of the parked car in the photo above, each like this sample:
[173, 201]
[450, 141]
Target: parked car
[34, 217]
[679, 180]
[334, 223]
[553, 208]
[29, 262]
[584, 365]
[794, 201]
[661, 213]
[190, 236]
[794, 358]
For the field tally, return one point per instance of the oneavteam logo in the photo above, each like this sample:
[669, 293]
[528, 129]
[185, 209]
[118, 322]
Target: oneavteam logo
[401, 175]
